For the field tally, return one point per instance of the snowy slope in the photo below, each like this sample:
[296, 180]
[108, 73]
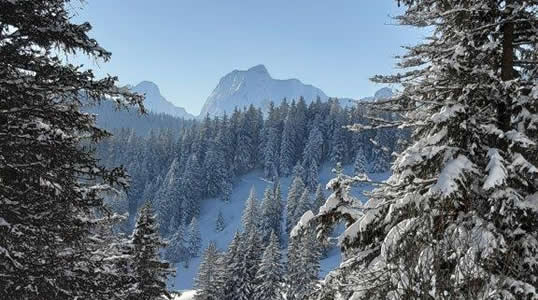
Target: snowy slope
[156, 103]
[232, 214]
[255, 86]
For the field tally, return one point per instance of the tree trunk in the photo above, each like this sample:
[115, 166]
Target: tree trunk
[507, 69]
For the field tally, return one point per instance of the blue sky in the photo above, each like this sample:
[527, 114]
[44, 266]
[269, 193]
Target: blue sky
[186, 46]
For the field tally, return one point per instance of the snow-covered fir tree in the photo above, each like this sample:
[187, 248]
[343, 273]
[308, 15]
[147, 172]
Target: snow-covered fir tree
[269, 278]
[293, 266]
[294, 194]
[191, 188]
[228, 278]
[52, 217]
[360, 164]
[271, 154]
[248, 266]
[457, 219]
[206, 280]
[312, 174]
[150, 272]
[313, 148]
[299, 171]
[278, 210]
[167, 201]
[303, 205]
[380, 161]
[287, 154]
[269, 219]
[251, 214]
[308, 267]
[217, 173]
[194, 239]
[338, 144]
[319, 199]
[219, 222]
[176, 250]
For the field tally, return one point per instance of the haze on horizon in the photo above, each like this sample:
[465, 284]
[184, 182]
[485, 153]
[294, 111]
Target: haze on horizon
[185, 47]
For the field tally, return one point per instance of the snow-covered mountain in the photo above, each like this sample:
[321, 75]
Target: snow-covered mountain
[380, 94]
[156, 103]
[255, 86]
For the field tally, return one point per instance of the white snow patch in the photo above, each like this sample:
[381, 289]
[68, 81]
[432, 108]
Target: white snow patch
[496, 169]
[395, 234]
[446, 113]
[452, 174]
[186, 295]
[4, 223]
[303, 222]
[329, 205]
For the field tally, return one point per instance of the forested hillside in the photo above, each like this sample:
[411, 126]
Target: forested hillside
[177, 169]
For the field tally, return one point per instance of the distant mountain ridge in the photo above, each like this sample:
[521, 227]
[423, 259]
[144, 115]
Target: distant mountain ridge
[156, 103]
[256, 86]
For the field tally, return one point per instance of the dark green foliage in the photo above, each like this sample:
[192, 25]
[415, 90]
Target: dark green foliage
[51, 207]
[150, 271]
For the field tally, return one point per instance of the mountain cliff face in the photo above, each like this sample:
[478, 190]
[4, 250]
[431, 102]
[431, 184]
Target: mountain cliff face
[255, 86]
[156, 103]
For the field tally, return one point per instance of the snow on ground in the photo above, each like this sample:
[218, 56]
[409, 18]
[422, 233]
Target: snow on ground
[232, 212]
[186, 295]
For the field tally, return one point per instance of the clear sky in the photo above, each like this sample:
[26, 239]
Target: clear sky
[186, 46]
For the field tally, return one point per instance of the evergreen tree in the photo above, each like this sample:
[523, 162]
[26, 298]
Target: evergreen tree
[380, 161]
[246, 148]
[271, 213]
[50, 185]
[226, 189]
[271, 154]
[219, 222]
[278, 210]
[294, 194]
[287, 150]
[217, 174]
[250, 218]
[456, 218]
[293, 267]
[248, 267]
[338, 142]
[270, 274]
[313, 148]
[319, 199]
[191, 188]
[308, 267]
[168, 199]
[228, 278]
[304, 205]
[207, 274]
[299, 171]
[194, 240]
[312, 175]
[176, 250]
[150, 272]
[359, 165]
